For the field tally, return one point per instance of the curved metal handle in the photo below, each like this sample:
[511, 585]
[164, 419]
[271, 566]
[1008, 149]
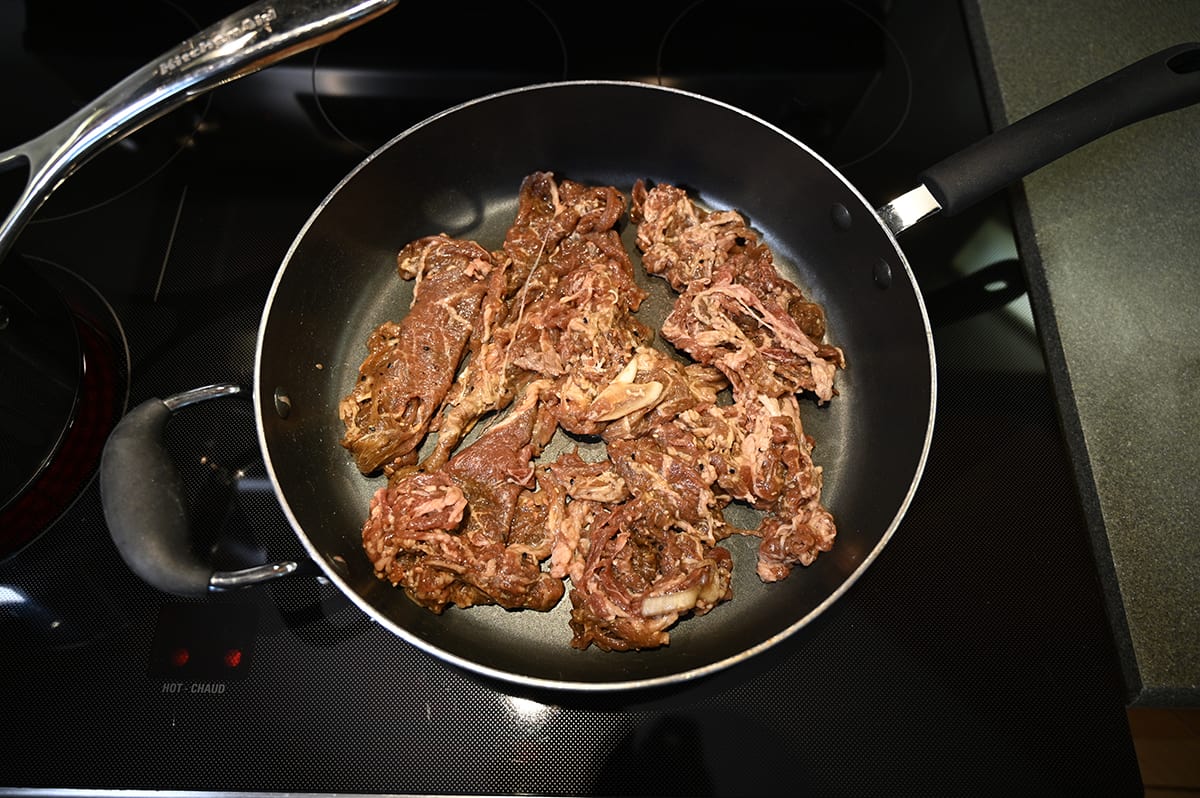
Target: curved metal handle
[142, 496]
[244, 42]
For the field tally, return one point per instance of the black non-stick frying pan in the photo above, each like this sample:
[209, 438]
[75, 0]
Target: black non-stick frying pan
[459, 173]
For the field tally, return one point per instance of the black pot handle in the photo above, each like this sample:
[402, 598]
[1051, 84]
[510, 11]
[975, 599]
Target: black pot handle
[1166, 81]
[142, 495]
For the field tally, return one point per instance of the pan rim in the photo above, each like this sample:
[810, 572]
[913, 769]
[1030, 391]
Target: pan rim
[525, 680]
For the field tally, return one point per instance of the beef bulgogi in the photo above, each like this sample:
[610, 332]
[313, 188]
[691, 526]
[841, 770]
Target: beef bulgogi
[541, 338]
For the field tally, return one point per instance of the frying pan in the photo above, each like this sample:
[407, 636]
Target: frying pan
[459, 172]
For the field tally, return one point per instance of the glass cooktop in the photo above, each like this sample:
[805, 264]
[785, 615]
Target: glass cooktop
[973, 657]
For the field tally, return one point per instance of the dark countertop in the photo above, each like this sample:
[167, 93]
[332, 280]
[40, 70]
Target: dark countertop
[1110, 237]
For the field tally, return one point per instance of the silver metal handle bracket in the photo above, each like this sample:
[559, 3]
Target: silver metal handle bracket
[908, 209]
[255, 574]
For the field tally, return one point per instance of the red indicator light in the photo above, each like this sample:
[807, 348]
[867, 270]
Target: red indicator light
[180, 657]
[233, 657]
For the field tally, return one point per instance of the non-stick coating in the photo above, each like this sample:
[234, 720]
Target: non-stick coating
[459, 173]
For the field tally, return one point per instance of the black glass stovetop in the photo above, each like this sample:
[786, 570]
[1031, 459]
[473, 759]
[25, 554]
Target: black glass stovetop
[974, 656]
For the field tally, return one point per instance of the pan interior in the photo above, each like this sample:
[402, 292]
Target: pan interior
[459, 173]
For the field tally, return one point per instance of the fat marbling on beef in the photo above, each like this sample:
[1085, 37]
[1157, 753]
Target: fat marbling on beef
[739, 315]
[547, 330]
[410, 365]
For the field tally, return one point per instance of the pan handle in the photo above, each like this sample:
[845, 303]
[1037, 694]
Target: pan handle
[244, 42]
[142, 496]
[1166, 81]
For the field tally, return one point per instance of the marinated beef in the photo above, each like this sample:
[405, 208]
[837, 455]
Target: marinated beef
[735, 311]
[463, 535]
[639, 578]
[755, 343]
[760, 455]
[682, 242]
[563, 312]
[410, 365]
[547, 329]
[739, 315]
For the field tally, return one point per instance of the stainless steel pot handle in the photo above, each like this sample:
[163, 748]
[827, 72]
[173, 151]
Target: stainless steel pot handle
[143, 500]
[244, 42]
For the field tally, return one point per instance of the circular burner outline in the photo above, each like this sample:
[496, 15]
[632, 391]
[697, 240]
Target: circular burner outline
[325, 117]
[96, 322]
[908, 88]
[186, 143]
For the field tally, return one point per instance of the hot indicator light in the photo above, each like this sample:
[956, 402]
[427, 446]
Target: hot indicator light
[203, 642]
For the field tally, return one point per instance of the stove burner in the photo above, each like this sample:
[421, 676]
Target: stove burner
[102, 397]
[85, 49]
[813, 79]
[376, 81]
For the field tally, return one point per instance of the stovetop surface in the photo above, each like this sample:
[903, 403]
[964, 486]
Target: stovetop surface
[972, 657]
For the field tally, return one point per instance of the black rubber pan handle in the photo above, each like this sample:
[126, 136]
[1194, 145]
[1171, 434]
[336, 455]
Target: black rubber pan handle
[1166, 81]
[143, 499]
